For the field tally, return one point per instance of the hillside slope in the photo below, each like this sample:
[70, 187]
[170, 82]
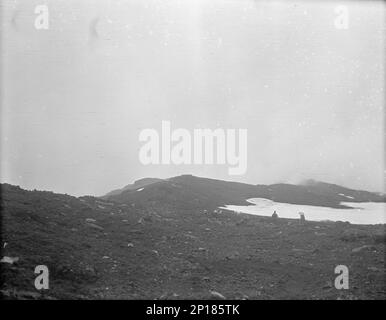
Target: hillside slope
[98, 249]
[134, 186]
[188, 191]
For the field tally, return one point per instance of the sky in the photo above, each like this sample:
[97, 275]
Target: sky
[75, 96]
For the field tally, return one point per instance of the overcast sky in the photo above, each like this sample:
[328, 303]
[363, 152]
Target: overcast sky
[75, 97]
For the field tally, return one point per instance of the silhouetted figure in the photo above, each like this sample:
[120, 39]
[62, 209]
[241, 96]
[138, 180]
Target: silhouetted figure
[274, 215]
[302, 218]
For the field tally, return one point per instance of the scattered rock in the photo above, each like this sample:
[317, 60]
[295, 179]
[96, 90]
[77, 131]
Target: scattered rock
[190, 236]
[90, 273]
[328, 285]
[147, 218]
[352, 235]
[299, 250]
[374, 269]
[163, 296]
[233, 255]
[379, 237]
[241, 296]
[359, 249]
[95, 226]
[130, 245]
[20, 295]
[10, 260]
[216, 295]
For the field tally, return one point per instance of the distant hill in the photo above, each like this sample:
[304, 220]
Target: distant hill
[188, 191]
[136, 185]
[340, 193]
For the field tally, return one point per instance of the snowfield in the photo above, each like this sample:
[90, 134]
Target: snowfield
[362, 212]
[343, 195]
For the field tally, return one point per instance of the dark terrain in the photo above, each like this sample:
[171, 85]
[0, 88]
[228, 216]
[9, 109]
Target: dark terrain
[169, 241]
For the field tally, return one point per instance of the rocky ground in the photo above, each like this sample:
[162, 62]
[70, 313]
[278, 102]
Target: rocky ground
[96, 249]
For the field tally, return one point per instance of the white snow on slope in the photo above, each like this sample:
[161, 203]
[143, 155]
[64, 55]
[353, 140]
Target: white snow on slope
[362, 212]
[343, 195]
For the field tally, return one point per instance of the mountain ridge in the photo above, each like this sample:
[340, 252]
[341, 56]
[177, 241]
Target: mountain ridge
[189, 190]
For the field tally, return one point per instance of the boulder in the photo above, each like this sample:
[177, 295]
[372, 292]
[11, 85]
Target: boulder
[216, 295]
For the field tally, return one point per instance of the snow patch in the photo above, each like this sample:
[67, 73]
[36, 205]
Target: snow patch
[343, 195]
[361, 212]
